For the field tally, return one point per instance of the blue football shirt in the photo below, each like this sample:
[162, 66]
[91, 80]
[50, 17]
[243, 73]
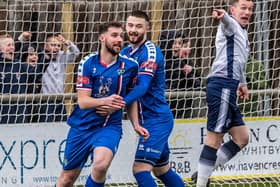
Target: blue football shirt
[151, 74]
[102, 80]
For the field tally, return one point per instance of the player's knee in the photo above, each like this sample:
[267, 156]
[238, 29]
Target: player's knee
[141, 166]
[101, 166]
[66, 180]
[158, 171]
[244, 141]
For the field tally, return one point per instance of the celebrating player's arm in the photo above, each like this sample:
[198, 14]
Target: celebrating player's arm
[85, 101]
[132, 112]
[113, 103]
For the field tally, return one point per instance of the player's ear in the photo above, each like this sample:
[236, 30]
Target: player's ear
[231, 9]
[101, 37]
[148, 26]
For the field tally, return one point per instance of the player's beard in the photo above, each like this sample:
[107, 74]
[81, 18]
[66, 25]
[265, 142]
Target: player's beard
[111, 49]
[138, 37]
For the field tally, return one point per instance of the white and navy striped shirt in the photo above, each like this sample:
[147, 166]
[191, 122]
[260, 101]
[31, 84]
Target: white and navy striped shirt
[232, 50]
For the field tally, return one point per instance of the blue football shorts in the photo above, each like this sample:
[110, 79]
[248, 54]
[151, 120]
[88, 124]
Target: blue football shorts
[155, 149]
[223, 112]
[80, 144]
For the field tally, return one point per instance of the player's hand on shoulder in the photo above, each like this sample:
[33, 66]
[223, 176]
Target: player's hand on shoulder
[141, 131]
[243, 92]
[218, 13]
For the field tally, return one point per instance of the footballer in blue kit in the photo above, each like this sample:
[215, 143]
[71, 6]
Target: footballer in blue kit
[103, 79]
[155, 114]
[152, 154]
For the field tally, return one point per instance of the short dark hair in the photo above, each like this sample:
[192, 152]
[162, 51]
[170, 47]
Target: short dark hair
[105, 26]
[50, 36]
[140, 14]
[26, 50]
[232, 2]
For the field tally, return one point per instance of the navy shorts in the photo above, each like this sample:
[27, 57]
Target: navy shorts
[155, 149]
[80, 144]
[223, 112]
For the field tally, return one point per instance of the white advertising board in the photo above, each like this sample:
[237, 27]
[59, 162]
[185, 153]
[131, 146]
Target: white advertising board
[31, 155]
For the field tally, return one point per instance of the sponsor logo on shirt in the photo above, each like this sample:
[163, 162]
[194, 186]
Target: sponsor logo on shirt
[152, 150]
[82, 80]
[149, 66]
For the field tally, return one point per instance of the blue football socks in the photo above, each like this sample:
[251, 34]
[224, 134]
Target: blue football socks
[171, 179]
[91, 183]
[145, 179]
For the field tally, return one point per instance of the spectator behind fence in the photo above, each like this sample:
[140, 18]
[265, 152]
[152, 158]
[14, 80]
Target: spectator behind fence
[30, 55]
[181, 75]
[27, 51]
[55, 61]
[14, 77]
[179, 68]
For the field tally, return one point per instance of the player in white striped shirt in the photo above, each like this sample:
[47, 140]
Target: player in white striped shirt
[225, 81]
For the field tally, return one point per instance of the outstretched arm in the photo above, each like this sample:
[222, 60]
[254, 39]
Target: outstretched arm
[218, 13]
[226, 19]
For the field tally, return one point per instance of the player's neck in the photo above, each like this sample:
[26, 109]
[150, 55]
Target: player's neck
[107, 58]
[135, 46]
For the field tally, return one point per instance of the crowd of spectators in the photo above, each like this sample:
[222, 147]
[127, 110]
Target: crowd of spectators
[26, 68]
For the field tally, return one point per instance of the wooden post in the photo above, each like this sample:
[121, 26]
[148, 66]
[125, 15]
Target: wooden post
[156, 15]
[67, 32]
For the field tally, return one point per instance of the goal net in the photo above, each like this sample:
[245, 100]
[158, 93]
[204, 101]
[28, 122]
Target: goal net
[192, 20]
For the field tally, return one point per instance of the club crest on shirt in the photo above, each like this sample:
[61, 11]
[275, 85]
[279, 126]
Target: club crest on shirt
[120, 71]
[104, 88]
